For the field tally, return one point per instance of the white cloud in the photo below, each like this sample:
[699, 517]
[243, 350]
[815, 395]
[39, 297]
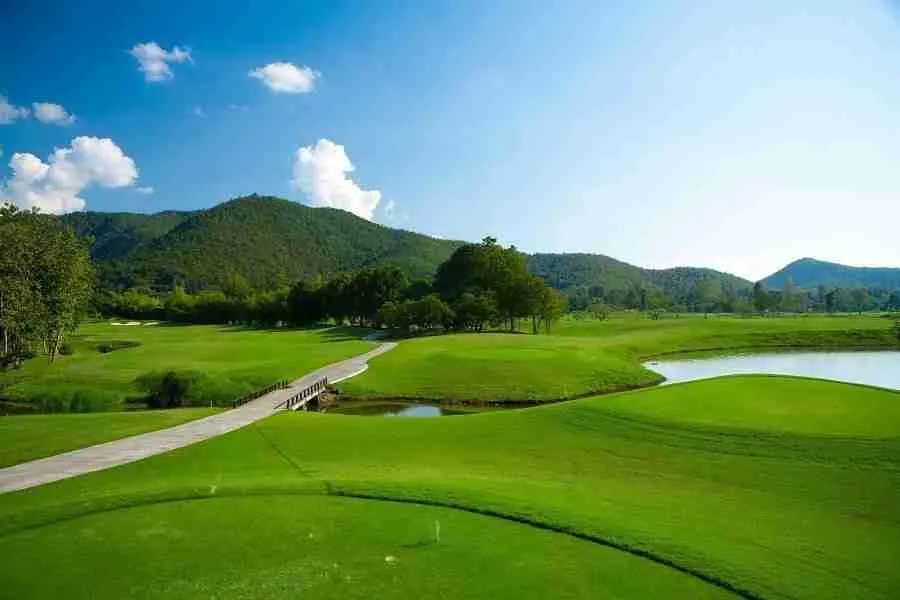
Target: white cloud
[10, 113]
[390, 209]
[286, 77]
[154, 60]
[54, 186]
[320, 172]
[199, 112]
[146, 190]
[47, 112]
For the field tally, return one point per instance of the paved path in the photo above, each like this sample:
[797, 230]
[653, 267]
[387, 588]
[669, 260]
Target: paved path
[120, 452]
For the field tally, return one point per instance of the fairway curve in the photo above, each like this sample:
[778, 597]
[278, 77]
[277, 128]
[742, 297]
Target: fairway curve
[119, 452]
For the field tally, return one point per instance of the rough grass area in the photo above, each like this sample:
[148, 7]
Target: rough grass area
[234, 362]
[587, 356]
[793, 494]
[29, 437]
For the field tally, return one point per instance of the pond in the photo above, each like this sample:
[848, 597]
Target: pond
[391, 409]
[879, 368]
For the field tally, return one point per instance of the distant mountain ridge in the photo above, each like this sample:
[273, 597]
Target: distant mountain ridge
[810, 273]
[273, 242]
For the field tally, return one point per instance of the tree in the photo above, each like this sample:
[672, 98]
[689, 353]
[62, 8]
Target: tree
[760, 297]
[551, 306]
[790, 296]
[306, 302]
[474, 311]
[489, 269]
[46, 279]
[705, 296]
[599, 310]
[861, 299]
[236, 286]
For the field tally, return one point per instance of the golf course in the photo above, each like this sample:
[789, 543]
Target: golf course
[733, 487]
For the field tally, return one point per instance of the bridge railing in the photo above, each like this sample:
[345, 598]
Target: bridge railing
[306, 394]
[278, 385]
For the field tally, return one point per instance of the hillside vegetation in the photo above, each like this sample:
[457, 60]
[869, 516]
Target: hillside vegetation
[809, 273]
[271, 242]
[274, 242]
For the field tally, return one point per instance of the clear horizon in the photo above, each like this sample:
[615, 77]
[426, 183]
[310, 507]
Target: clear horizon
[739, 138]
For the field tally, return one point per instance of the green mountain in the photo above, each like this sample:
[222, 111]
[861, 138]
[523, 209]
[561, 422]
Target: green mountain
[809, 273]
[271, 241]
[604, 276]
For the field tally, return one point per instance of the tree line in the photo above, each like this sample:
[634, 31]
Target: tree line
[480, 285]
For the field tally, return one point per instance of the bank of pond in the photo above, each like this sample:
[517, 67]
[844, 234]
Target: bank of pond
[873, 368]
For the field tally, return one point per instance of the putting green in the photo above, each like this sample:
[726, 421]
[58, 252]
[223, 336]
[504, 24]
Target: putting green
[322, 547]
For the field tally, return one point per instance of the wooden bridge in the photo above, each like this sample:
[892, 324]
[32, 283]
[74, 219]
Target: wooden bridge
[307, 397]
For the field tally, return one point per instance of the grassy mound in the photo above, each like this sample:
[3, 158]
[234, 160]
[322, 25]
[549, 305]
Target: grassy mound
[752, 502]
[584, 356]
[497, 367]
[29, 437]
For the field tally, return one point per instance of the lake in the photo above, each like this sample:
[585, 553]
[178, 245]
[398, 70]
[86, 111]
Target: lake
[878, 368]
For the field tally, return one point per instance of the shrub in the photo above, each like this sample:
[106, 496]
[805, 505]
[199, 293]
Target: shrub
[169, 389]
[66, 349]
[113, 345]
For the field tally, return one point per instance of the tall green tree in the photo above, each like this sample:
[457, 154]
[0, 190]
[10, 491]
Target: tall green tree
[46, 279]
[760, 297]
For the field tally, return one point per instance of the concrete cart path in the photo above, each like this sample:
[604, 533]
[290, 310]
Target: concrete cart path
[126, 450]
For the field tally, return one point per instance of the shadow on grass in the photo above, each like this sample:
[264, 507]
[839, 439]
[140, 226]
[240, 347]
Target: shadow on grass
[328, 333]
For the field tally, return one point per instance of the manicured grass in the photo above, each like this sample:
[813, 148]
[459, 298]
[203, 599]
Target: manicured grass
[753, 501]
[28, 437]
[319, 547]
[235, 361]
[809, 406]
[586, 356]
[497, 367]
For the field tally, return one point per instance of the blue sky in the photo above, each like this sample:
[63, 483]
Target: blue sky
[738, 136]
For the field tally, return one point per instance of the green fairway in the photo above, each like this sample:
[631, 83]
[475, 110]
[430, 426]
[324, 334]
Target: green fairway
[234, 361]
[28, 437]
[756, 501]
[589, 356]
[498, 367]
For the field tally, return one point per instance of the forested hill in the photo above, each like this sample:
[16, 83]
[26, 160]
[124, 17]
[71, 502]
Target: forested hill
[810, 273]
[271, 242]
[595, 275]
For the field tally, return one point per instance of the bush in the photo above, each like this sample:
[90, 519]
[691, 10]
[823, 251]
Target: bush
[66, 349]
[169, 389]
[113, 345]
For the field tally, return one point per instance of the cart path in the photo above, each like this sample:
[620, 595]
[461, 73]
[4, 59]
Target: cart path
[130, 449]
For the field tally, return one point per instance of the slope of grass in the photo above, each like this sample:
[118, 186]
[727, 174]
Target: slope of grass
[497, 367]
[754, 501]
[29, 437]
[587, 356]
[234, 362]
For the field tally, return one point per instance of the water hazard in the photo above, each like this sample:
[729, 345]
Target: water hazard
[391, 409]
[881, 368]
